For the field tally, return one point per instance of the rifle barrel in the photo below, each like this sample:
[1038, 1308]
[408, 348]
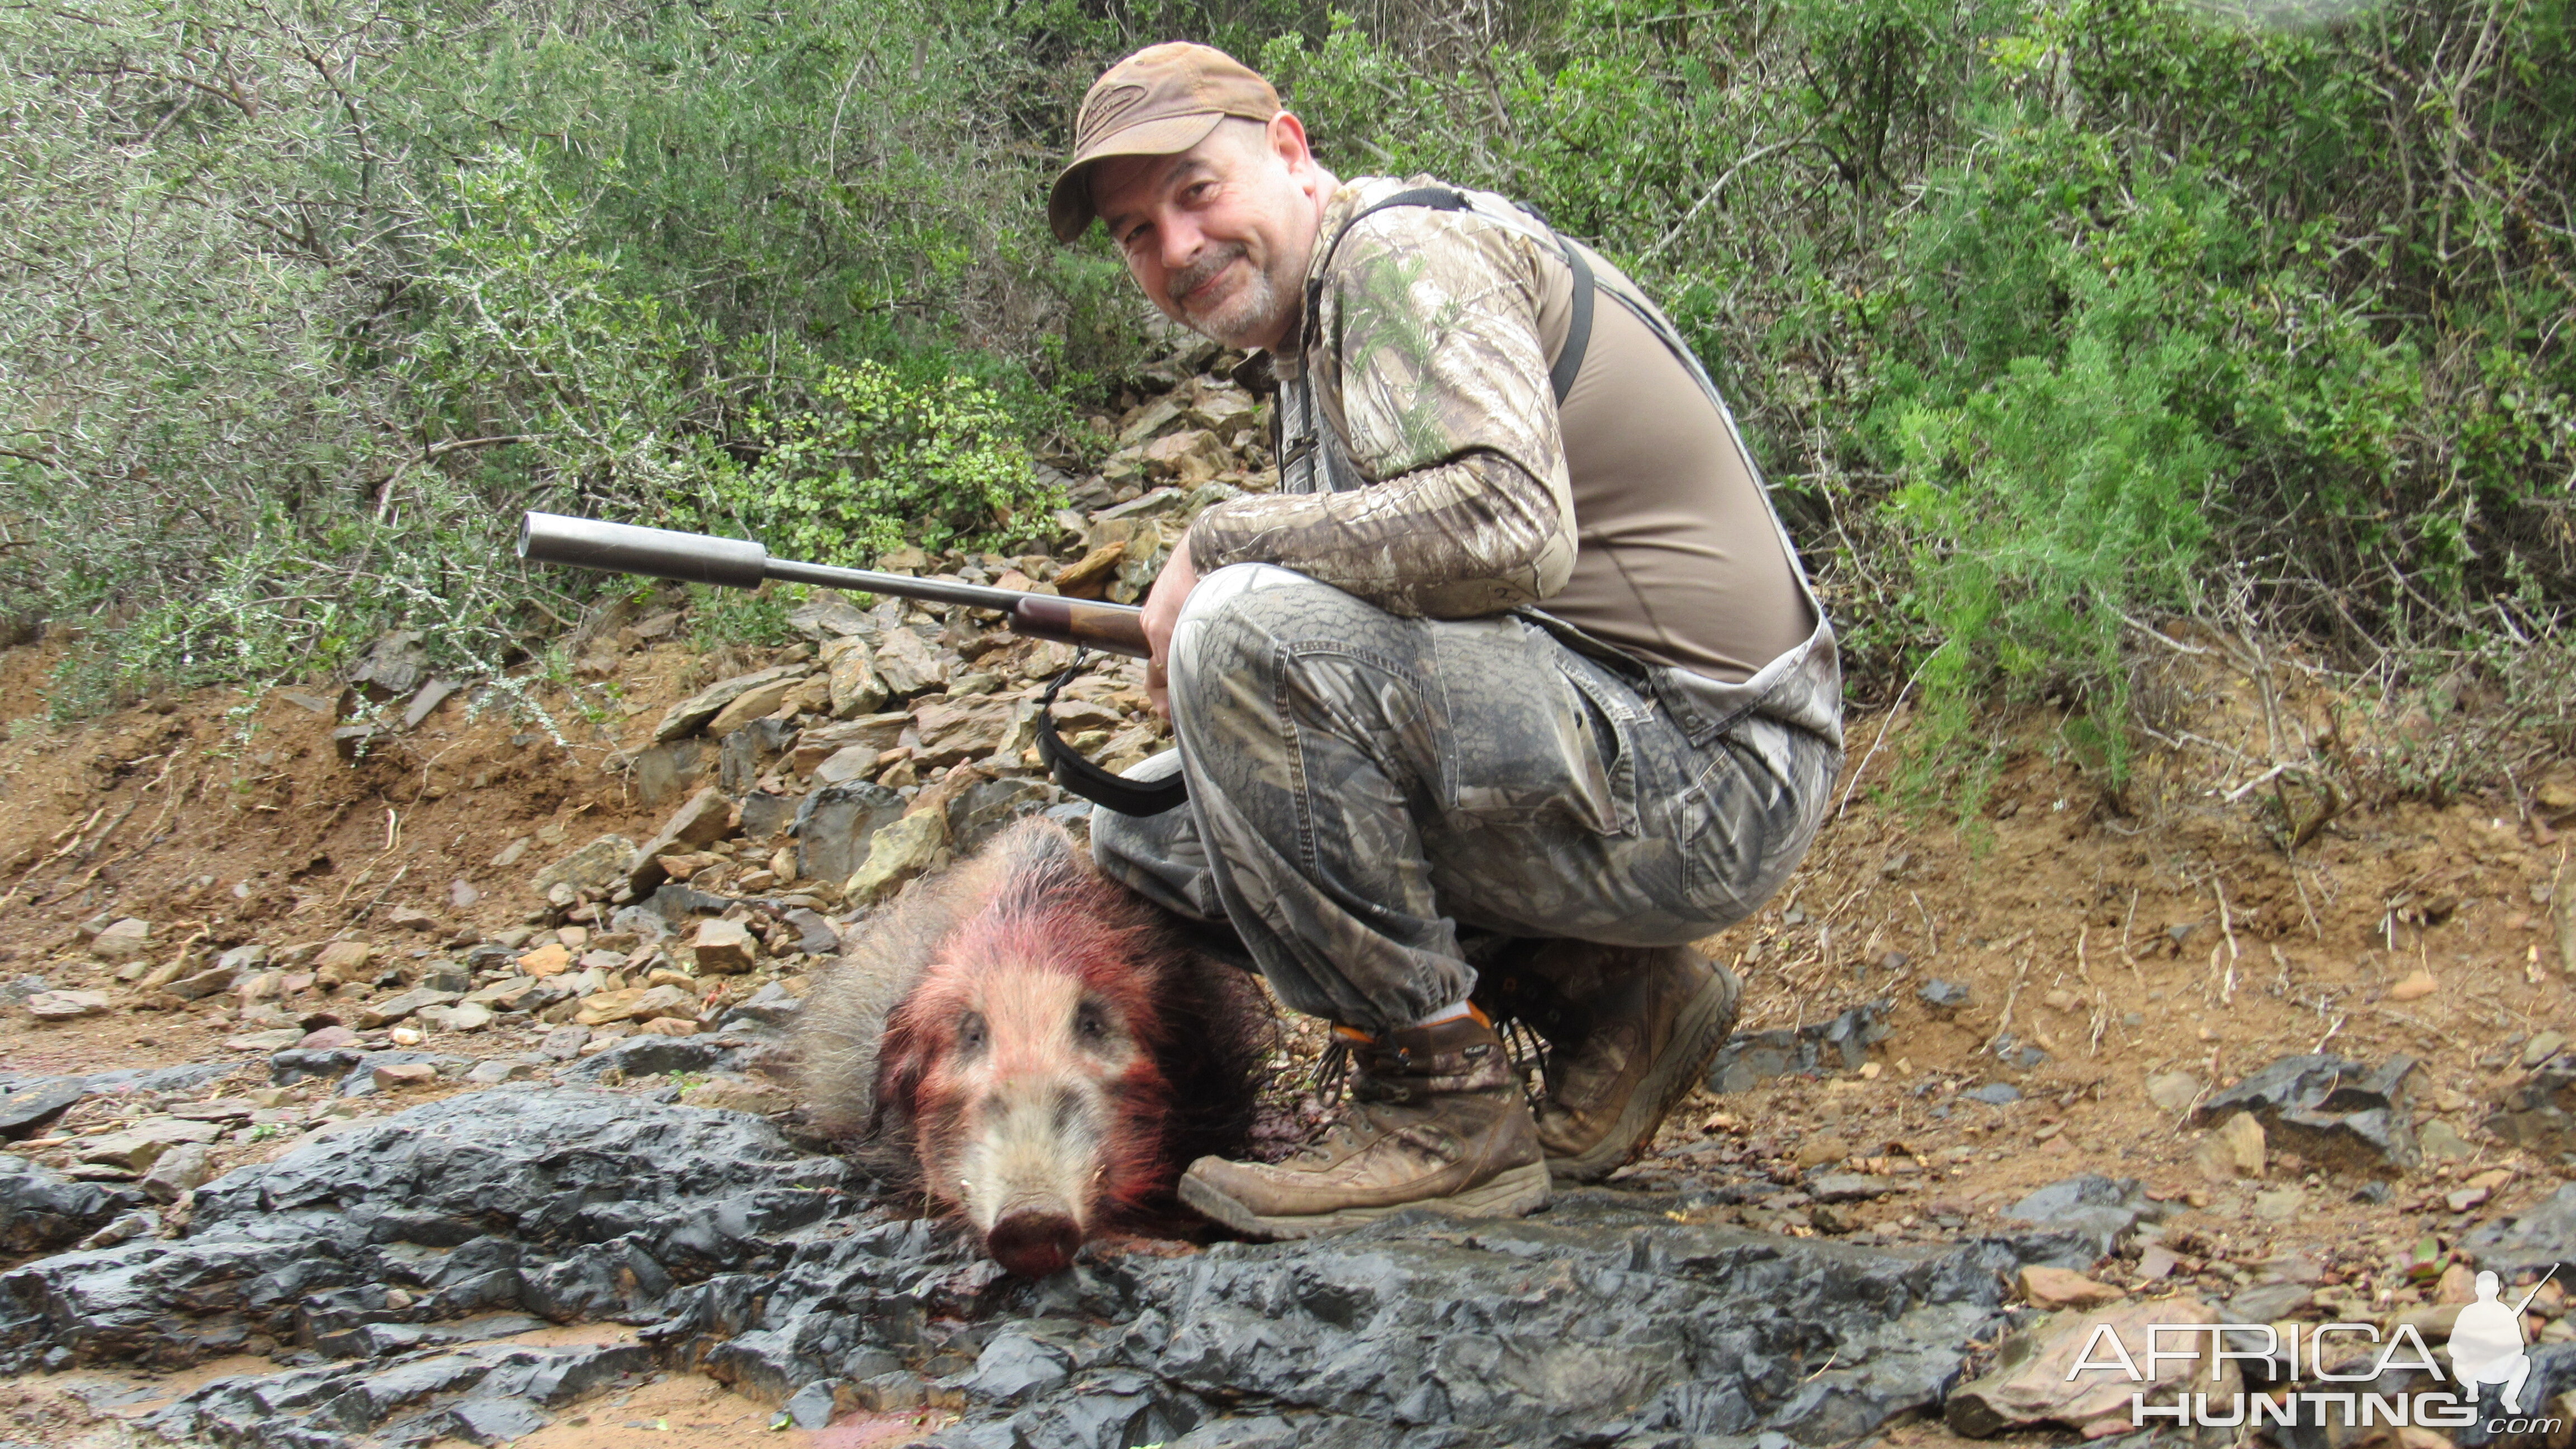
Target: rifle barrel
[937, 591]
[742, 563]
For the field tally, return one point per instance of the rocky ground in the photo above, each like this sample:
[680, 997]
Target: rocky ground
[394, 1061]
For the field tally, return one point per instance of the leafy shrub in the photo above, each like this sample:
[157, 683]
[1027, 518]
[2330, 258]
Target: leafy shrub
[2048, 507]
[874, 463]
[305, 305]
[2038, 315]
[2047, 315]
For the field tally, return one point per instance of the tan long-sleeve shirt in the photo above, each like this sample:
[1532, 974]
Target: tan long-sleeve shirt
[1629, 512]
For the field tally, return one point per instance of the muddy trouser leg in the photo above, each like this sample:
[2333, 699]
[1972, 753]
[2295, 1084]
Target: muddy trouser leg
[1160, 858]
[1363, 787]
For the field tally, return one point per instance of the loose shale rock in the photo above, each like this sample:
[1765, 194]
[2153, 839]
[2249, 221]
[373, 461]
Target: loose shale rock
[599, 867]
[701, 822]
[725, 948]
[2031, 1382]
[836, 826]
[899, 852]
[66, 1005]
[689, 715]
[122, 941]
[41, 1209]
[392, 1252]
[2338, 1114]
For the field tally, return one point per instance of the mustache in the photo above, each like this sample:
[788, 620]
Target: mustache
[1194, 276]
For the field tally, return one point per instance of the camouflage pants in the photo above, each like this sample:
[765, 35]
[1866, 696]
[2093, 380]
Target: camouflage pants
[1363, 787]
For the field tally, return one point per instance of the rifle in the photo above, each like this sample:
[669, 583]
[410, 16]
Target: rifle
[740, 563]
[2520, 1308]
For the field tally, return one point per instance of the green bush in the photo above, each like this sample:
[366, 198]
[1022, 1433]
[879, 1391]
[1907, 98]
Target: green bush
[2039, 315]
[304, 306]
[874, 463]
[2050, 422]
[718, 617]
[2047, 508]
[2043, 316]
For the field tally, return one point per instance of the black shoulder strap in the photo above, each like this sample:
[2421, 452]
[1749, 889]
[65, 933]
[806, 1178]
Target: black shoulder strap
[1438, 198]
[1578, 330]
[1578, 327]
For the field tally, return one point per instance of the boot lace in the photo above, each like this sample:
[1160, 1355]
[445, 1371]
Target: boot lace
[1529, 1057]
[1331, 1073]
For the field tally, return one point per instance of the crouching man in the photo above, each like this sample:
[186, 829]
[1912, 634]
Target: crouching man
[1511, 691]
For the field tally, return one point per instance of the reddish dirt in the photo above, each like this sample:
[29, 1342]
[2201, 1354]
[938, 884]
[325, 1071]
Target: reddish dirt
[2169, 928]
[222, 824]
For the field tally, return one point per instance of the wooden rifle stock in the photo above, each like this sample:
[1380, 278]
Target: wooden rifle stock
[701, 558]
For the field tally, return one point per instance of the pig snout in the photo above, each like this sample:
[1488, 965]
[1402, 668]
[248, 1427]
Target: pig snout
[1031, 1175]
[1034, 1242]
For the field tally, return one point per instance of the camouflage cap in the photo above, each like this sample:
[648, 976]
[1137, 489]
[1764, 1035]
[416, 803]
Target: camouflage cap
[1163, 99]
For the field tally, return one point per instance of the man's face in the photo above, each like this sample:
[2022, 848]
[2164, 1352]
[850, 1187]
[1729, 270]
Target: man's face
[1218, 235]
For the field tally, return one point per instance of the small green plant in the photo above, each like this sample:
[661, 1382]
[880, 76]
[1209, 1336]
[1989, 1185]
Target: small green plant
[2050, 507]
[756, 617]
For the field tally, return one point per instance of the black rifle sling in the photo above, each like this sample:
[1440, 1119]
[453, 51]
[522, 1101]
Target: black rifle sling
[1091, 782]
[1142, 797]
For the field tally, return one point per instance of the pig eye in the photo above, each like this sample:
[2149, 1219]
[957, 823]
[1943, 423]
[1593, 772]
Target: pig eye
[970, 1032]
[1091, 1023]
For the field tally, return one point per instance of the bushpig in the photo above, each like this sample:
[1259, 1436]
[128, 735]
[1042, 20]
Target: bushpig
[1033, 1049]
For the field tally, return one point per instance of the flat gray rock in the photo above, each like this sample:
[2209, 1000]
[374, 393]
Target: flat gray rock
[637, 1057]
[27, 1110]
[41, 1209]
[1600, 1318]
[1603, 1320]
[1839, 1044]
[2100, 1210]
[553, 1202]
[2534, 1239]
[2538, 1113]
[1850, 1186]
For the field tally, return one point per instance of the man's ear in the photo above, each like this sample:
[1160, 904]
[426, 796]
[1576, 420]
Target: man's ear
[1287, 137]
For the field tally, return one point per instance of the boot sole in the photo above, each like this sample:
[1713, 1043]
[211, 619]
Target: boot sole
[1703, 1029]
[1515, 1192]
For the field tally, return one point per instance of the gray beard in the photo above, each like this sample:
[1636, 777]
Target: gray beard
[1251, 312]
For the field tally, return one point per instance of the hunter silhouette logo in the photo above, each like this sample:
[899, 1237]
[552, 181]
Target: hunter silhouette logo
[2486, 1341]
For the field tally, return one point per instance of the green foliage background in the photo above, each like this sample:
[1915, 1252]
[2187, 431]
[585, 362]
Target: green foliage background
[2047, 315]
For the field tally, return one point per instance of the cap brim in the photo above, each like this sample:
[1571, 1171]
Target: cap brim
[1069, 203]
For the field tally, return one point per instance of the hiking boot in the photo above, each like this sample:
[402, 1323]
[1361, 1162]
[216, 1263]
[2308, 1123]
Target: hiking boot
[1437, 1121]
[1630, 1030]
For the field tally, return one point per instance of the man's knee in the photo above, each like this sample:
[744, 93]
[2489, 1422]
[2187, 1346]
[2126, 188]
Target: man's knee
[1239, 616]
[1254, 596]
[1117, 840]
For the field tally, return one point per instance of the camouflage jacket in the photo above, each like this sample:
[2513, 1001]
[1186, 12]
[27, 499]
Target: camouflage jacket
[1439, 402]
[1431, 477]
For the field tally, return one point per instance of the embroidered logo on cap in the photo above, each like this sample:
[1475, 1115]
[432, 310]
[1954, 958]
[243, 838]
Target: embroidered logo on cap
[1104, 110]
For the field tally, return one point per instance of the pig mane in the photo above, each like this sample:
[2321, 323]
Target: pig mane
[841, 1028]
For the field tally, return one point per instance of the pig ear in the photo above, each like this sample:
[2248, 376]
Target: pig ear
[901, 1065]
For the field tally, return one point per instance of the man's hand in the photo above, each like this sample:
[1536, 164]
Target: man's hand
[1163, 610]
